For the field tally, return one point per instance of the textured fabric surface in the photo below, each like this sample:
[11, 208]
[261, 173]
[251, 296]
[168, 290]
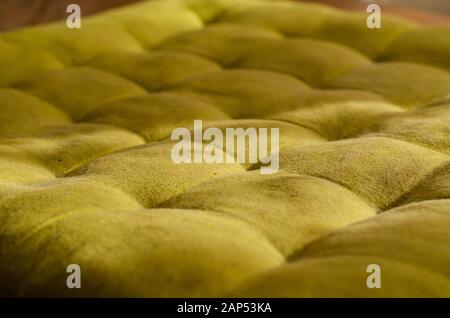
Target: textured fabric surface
[86, 175]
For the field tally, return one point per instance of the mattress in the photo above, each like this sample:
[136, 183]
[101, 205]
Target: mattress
[87, 178]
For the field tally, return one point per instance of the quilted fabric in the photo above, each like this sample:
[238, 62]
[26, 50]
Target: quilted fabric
[86, 175]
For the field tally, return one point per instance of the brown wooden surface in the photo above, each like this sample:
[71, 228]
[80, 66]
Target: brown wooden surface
[17, 13]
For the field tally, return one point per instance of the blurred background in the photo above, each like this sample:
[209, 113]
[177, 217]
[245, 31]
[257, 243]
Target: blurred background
[18, 13]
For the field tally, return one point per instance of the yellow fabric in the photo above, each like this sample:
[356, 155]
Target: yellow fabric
[86, 175]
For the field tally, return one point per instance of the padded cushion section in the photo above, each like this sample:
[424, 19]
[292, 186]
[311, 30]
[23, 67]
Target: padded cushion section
[26, 64]
[19, 167]
[310, 60]
[154, 116]
[288, 134]
[154, 71]
[149, 174]
[336, 114]
[151, 23]
[289, 217]
[166, 253]
[86, 174]
[352, 30]
[434, 186]
[318, 21]
[73, 48]
[211, 42]
[396, 241]
[378, 169]
[284, 17]
[76, 91]
[428, 127]
[22, 113]
[393, 80]
[427, 46]
[63, 148]
[243, 93]
[49, 201]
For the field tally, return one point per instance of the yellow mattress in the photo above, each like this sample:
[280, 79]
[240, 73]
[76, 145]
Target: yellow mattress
[86, 175]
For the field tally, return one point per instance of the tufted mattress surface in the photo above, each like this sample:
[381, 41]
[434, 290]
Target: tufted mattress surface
[86, 175]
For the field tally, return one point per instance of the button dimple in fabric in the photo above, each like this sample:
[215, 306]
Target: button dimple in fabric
[78, 90]
[154, 116]
[393, 81]
[153, 70]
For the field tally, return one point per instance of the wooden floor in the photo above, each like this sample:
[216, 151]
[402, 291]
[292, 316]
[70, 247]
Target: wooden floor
[18, 13]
